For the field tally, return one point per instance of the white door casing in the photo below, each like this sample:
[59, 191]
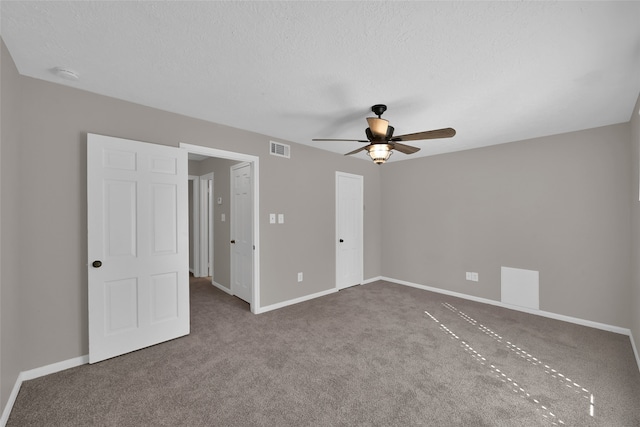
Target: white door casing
[206, 225]
[255, 191]
[349, 230]
[241, 232]
[194, 239]
[138, 231]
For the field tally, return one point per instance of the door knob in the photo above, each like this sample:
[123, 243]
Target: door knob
[97, 264]
[233, 241]
[341, 241]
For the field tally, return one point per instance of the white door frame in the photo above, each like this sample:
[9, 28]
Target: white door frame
[206, 226]
[360, 242]
[195, 199]
[255, 162]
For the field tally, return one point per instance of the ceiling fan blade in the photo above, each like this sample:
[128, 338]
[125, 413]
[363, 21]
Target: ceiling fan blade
[348, 140]
[406, 149]
[357, 151]
[430, 134]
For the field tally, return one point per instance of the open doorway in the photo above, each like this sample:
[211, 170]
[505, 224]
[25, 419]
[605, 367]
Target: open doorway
[208, 229]
[201, 219]
[212, 241]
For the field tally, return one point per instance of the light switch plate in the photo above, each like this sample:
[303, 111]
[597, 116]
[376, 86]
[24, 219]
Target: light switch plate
[272, 218]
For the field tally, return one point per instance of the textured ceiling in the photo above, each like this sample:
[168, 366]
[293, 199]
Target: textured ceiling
[495, 71]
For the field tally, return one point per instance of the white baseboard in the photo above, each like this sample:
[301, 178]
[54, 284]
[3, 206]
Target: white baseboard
[12, 399]
[36, 373]
[222, 288]
[295, 301]
[308, 297]
[635, 350]
[583, 322]
[54, 367]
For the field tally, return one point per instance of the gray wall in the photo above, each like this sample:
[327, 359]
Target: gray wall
[10, 262]
[559, 205]
[635, 224]
[221, 229]
[52, 224]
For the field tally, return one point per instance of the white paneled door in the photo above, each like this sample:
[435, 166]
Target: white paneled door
[242, 232]
[138, 250]
[349, 229]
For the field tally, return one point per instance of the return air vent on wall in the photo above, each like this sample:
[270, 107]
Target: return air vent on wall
[279, 149]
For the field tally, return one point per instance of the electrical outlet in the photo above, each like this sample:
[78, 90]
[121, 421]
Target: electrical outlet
[474, 277]
[280, 218]
[299, 277]
[468, 276]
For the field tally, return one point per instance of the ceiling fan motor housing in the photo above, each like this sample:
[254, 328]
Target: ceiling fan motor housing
[375, 139]
[378, 109]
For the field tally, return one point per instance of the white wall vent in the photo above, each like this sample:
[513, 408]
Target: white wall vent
[520, 287]
[279, 149]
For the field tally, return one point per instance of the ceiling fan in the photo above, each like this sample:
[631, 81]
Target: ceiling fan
[382, 142]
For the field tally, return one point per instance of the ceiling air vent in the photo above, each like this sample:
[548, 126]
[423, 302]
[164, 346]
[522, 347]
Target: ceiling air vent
[279, 149]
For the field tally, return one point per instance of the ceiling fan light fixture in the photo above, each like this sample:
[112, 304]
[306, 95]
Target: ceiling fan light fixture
[380, 153]
[378, 126]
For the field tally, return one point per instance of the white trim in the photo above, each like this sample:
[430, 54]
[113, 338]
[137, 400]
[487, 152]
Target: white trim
[12, 399]
[583, 322]
[54, 367]
[635, 349]
[195, 221]
[371, 280]
[255, 161]
[297, 300]
[222, 288]
[37, 373]
[206, 223]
